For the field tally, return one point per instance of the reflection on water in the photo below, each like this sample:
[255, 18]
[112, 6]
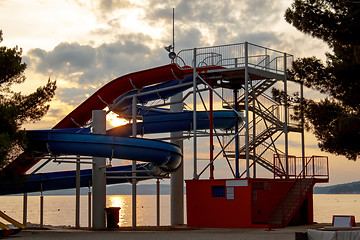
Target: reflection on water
[60, 210]
[118, 201]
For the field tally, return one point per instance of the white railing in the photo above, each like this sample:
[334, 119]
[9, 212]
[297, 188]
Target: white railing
[233, 56]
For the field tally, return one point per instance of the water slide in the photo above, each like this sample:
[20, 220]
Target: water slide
[65, 140]
[9, 229]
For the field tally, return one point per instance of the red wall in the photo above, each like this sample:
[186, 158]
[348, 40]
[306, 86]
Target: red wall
[203, 210]
[251, 207]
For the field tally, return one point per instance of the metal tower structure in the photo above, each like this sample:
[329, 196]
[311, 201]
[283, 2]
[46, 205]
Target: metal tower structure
[242, 76]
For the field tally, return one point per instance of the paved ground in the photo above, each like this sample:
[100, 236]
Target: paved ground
[165, 234]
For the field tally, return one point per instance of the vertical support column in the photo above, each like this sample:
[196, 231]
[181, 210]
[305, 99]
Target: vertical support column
[98, 176]
[254, 136]
[25, 200]
[194, 116]
[302, 128]
[89, 206]
[286, 121]
[247, 109]
[211, 128]
[158, 202]
[77, 193]
[133, 182]
[41, 207]
[237, 165]
[177, 177]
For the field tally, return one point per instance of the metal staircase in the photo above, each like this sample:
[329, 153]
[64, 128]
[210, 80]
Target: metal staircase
[268, 117]
[314, 170]
[289, 205]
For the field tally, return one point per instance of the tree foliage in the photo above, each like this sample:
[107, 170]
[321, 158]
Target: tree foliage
[16, 108]
[335, 120]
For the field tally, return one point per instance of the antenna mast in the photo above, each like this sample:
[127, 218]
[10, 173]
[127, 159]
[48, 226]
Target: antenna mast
[173, 43]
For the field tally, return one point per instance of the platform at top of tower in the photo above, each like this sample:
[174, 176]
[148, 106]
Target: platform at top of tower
[233, 59]
[235, 77]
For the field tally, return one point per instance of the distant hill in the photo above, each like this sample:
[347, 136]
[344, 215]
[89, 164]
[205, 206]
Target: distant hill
[346, 188]
[150, 189]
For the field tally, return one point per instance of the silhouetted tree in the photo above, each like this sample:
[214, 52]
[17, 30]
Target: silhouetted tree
[15, 108]
[335, 120]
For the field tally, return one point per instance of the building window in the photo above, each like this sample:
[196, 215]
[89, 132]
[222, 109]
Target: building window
[218, 191]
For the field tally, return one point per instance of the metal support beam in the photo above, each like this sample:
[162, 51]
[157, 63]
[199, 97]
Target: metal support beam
[254, 136]
[41, 207]
[237, 165]
[77, 197]
[158, 202]
[247, 110]
[286, 121]
[133, 182]
[195, 175]
[211, 129]
[25, 200]
[98, 176]
[89, 206]
[302, 128]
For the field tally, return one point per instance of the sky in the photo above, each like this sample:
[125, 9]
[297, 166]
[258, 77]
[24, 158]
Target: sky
[84, 44]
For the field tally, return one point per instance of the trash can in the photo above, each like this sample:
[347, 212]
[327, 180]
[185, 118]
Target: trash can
[112, 217]
[301, 236]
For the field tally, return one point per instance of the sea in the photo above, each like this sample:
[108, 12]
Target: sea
[60, 210]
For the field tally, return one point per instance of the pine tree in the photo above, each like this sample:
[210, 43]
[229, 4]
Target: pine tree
[335, 120]
[15, 108]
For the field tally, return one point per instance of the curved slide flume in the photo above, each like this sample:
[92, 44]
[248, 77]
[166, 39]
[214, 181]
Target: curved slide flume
[165, 155]
[99, 100]
[161, 156]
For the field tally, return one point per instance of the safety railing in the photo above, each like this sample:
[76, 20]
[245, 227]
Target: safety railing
[236, 56]
[307, 167]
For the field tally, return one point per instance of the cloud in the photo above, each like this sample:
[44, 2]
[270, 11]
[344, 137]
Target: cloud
[115, 49]
[85, 68]
[85, 64]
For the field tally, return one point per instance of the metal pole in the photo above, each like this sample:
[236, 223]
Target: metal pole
[25, 209]
[89, 206]
[211, 128]
[194, 117]
[302, 128]
[158, 202]
[177, 177]
[254, 136]
[77, 201]
[286, 121]
[98, 176]
[247, 110]
[237, 167]
[173, 30]
[133, 182]
[41, 207]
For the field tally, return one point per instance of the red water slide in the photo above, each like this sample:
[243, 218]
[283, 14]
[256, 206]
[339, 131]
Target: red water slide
[117, 87]
[99, 100]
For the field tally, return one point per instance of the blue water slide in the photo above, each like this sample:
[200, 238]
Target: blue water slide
[163, 122]
[160, 157]
[66, 179]
[164, 155]
[150, 93]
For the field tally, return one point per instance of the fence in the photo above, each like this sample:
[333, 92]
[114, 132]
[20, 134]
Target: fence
[314, 166]
[236, 56]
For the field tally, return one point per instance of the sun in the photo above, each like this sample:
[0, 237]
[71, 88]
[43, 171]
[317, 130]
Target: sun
[115, 120]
